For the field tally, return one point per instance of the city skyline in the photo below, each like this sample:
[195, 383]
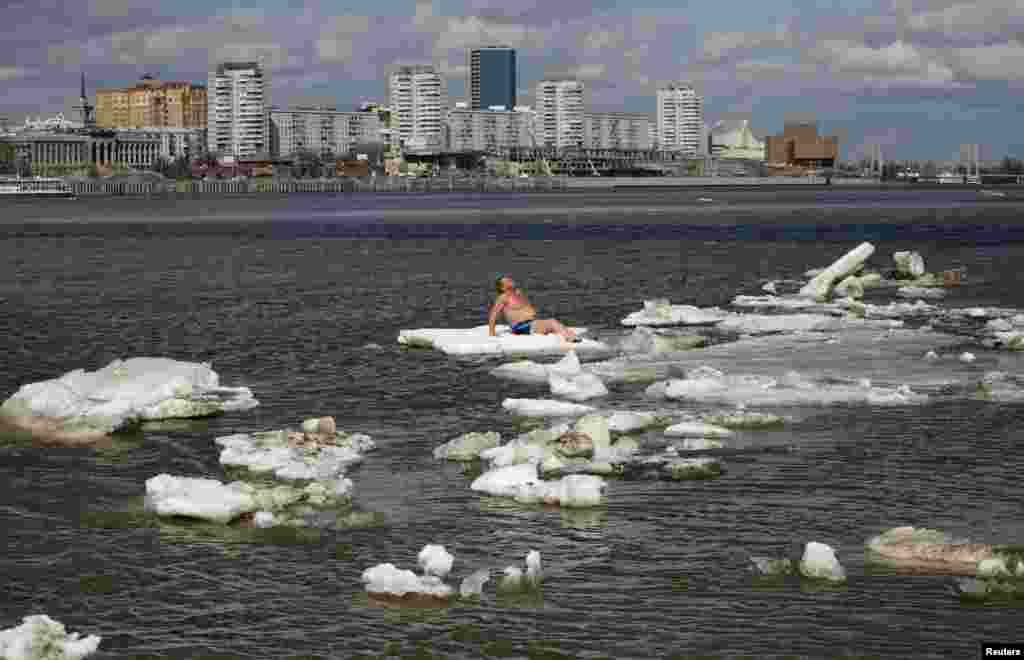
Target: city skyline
[920, 80]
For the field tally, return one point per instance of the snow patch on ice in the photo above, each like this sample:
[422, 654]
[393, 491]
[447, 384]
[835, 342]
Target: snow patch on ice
[41, 638]
[477, 341]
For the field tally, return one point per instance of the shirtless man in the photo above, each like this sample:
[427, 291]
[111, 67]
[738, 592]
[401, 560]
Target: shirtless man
[521, 315]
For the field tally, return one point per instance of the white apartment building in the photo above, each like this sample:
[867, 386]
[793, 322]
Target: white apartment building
[237, 122]
[321, 129]
[560, 106]
[417, 98]
[681, 119]
[494, 130]
[618, 130]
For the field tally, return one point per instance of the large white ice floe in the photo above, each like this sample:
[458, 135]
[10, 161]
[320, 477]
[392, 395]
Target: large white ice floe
[661, 312]
[579, 387]
[387, 581]
[527, 371]
[211, 500]
[121, 393]
[435, 560]
[697, 430]
[477, 341]
[41, 638]
[821, 285]
[523, 483]
[544, 408]
[819, 561]
[319, 452]
[791, 389]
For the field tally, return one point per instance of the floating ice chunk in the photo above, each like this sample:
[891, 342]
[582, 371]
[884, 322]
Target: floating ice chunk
[908, 264]
[930, 551]
[544, 408]
[293, 455]
[473, 584]
[207, 499]
[576, 491]
[122, 393]
[920, 292]
[41, 638]
[850, 287]
[580, 387]
[477, 341]
[264, 519]
[533, 566]
[515, 453]
[697, 430]
[770, 287]
[386, 580]
[682, 469]
[752, 324]
[435, 560]
[697, 444]
[505, 481]
[644, 340]
[467, 447]
[772, 566]
[780, 302]
[742, 419]
[631, 422]
[967, 357]
[661, 313]
[596, 428]
[819, 287]
[931, 355]
[819, 562]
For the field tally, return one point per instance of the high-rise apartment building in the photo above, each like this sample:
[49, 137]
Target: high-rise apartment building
[681, 119]
[559, 106]
[417, 98]
[627, 131]
[323, 130]
[238, 122]
[152, 104]
[492, 77]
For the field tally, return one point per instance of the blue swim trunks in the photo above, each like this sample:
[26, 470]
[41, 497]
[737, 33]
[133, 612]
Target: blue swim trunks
[522, 328]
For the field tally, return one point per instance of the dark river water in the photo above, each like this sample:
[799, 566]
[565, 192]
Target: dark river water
[301, 299]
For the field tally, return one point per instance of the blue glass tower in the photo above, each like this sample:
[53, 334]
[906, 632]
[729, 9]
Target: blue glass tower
[492, 77]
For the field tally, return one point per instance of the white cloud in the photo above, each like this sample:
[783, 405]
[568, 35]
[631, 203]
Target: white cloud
[898, 60]
[996, 62]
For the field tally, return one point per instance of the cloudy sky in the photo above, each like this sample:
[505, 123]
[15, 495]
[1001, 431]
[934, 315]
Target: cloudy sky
[920, 77]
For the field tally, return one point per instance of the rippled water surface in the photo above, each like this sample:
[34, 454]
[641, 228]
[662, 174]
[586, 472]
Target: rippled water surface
[301, 299]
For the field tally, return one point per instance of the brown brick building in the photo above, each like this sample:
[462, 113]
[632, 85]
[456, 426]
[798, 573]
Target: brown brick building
[152, 104]
[801, 146]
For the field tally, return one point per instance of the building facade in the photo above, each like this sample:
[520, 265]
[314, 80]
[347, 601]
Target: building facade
[560, 108]
[321, 129]
[492, 78]
[680, 119]
[42, 150]
[626, 131]
[417, 97]
[800, 145]
[735, 139]
[491, 131]
[153, 104]
[237, 115]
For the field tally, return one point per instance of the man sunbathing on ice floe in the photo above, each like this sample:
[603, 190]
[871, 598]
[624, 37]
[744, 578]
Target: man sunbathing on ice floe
[521, 315]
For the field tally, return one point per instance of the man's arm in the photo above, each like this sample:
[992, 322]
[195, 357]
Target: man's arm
[499, 304]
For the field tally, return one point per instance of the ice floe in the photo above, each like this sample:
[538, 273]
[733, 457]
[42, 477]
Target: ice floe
[920, 292]
[909, 265]
[661, 312]
[632, 422]
[214, 501]
[468, 446]
[577, 387]
[821, 284]
[435, 560]
[387, 581]
[473, 584]
[82, 403]
[319, 452]
[819, 562]
[791, 389]
[523, 483]
[932, 551]
[644, 340]
[697, 430]
[515, 578]
[477, 341]
[41, 638]
[544, 408]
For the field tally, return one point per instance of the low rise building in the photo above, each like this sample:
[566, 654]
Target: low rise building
[731, 138]
[800, 145]
[50, 151]
[495, 130]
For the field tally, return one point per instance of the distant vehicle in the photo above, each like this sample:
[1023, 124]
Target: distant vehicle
[35, 187]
